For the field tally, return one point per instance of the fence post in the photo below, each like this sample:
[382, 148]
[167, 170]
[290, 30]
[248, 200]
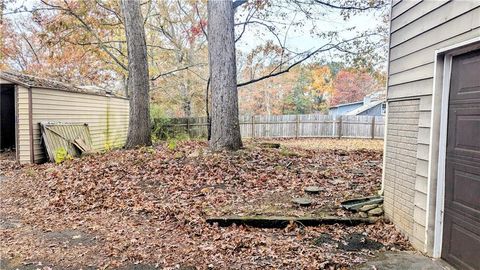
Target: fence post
[188, 126]
[253, 126]
[334, 124]
[373, 127]
[297, 124]
[340, 127]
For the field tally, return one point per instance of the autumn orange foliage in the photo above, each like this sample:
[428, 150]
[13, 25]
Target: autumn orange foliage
[353, 85]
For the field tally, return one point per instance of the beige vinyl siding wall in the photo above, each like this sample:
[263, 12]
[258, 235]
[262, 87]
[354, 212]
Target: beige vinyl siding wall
[418, 28]
[23, 131]
[107, 118]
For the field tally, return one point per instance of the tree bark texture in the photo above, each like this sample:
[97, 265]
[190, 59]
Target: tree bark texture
[225, 126]
[139, 128]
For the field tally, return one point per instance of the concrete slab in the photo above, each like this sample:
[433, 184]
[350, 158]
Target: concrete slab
[404, 260]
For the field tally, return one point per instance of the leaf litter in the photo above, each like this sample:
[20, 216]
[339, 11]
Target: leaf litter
[148, 206]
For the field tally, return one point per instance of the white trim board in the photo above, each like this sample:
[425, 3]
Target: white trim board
[457, 47]
[442, 148]
[386, 102]
[445, 54]
[384, 163]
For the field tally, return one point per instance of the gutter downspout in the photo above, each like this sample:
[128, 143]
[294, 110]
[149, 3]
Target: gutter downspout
[386, 102]
[384, 151]
[17, 128]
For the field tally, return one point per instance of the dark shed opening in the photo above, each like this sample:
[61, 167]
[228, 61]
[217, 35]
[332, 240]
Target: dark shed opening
[7, 119]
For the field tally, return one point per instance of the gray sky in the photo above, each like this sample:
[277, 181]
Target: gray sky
[300, 39]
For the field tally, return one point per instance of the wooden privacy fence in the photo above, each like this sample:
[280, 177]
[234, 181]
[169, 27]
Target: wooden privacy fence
[290, 126]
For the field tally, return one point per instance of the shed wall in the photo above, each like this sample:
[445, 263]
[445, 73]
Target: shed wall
[107, 118]
[418, 29]
[23, 131]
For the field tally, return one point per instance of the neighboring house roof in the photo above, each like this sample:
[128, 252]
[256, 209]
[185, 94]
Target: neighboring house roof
[31, 81]
[346, 104]
[365, 107]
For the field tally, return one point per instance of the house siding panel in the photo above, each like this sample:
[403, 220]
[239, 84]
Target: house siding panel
[411, 15]
[404, 6]
[421, 184]
[410, 89]
[426, 55]
[431, 20]
[462, 24]
[414, 74]
[23, 126]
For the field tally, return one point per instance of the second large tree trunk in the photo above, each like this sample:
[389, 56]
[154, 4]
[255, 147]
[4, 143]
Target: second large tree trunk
[225, 127]
[139, 129]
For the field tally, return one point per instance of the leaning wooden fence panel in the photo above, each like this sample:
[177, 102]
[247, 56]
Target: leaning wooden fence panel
[291, 126]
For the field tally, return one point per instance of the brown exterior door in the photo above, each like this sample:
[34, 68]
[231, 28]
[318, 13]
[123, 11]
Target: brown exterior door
[461, 229]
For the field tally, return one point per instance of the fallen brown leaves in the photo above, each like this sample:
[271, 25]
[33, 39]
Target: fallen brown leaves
[148, 206]
[344, 144]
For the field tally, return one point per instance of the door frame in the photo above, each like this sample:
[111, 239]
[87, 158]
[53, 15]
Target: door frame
[17, 128]
[443, 61]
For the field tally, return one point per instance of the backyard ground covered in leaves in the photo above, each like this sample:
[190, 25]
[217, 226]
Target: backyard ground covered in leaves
[147, 207]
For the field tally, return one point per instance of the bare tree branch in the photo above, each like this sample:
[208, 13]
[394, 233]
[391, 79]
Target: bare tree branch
[323, 48]
[359, 8]
[31, 48]
[25, 11]
[117, 15]
[250, 14]
[281, 72]
[176, 70]
[269, 28]
[200, 18]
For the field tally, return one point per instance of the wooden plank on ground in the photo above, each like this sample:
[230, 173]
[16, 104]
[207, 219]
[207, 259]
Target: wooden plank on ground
[284, 221]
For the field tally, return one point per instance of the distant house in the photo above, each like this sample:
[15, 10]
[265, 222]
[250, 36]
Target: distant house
[373, 105]
[431, 174]
[373, 108]
[27, 101]
[342, 109]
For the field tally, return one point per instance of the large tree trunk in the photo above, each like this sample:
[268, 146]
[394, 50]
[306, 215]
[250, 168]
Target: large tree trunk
[139, 129]
[225, 127]
[2, 8]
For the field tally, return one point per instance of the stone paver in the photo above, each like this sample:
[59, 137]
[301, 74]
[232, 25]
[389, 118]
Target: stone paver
[404, 260]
